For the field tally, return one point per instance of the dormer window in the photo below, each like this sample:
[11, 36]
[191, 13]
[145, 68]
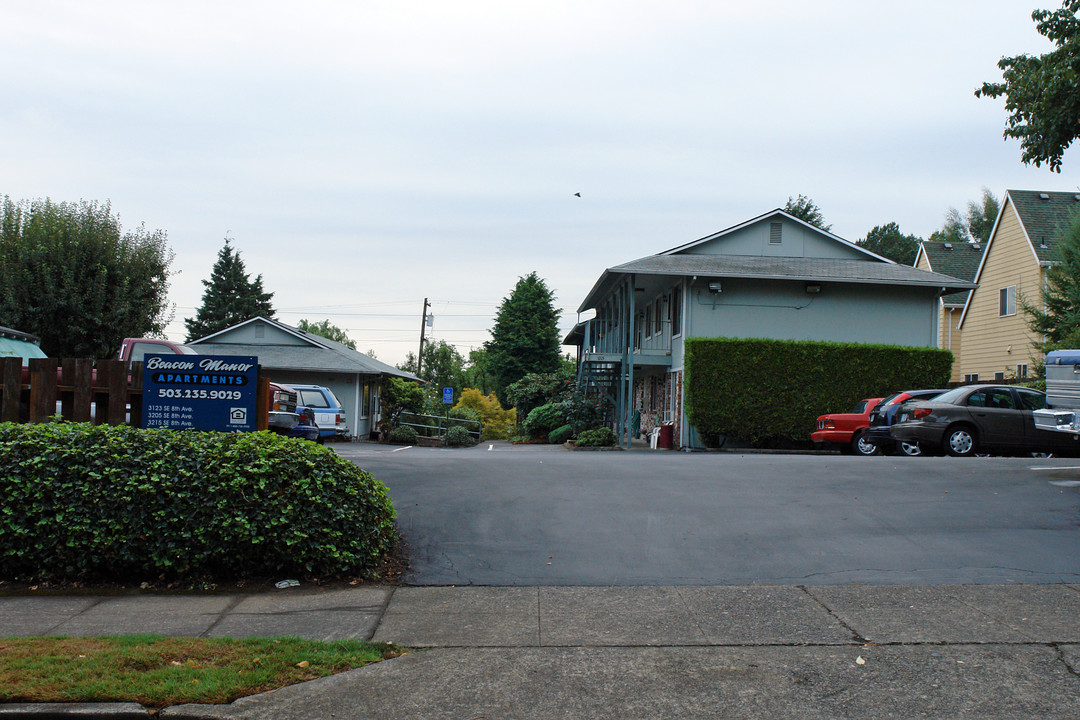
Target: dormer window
[776, 231]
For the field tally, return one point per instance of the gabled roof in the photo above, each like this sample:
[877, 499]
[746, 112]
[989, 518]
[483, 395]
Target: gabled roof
[959, 260]
[677, 262]
[1042, 216]
[314, 353]
[764, 216]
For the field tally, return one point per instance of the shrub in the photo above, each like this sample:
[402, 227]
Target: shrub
[560, 435]
[457, 436]
[763, 391]
[598, 437]
[536, 389]
[465, 413]
[404, 435]
[87, 502]
[543, 420]
[497, 422]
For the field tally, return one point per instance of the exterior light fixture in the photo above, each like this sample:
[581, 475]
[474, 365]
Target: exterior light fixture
[715, 287]
[813, 288]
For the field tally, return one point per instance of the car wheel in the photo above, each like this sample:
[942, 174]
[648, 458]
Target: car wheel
[960, 441]
[861, 446]
[910, 449]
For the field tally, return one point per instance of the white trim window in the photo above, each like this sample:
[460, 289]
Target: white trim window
[1007, 301]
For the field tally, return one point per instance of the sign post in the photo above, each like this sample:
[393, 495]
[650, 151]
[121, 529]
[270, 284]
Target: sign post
[200, 392]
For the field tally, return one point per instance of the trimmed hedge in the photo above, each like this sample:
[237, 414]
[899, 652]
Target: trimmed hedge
[404, 435]
[458, 436]
[86, 502]
[597, 437]
[767, 391]
[560, 435]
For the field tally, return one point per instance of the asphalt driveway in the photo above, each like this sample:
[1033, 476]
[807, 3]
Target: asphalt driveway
[526, 515]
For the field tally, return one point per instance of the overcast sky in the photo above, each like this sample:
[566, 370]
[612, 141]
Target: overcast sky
[365, 155]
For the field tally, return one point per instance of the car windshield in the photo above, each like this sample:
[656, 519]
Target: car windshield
[952, 395]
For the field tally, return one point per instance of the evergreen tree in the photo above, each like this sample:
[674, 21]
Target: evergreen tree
[1059, 323]
[231, 297]
[70, 275]
[525, 338]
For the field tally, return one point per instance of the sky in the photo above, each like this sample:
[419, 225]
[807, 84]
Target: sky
[364, 156]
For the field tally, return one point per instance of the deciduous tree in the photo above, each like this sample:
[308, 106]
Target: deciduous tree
[973, 226]
[804, 208]
[71, 275]
[1042, 94]
[887, 241]
[326, 329]
[231, 296]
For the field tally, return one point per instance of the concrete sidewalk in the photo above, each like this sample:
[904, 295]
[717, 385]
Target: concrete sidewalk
[960, 651]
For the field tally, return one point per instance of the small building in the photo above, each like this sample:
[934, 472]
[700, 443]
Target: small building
[960, 260]
[289, 355]
[774, 276]
[997, 342]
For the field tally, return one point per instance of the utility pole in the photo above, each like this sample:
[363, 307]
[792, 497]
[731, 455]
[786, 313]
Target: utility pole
[423, 326]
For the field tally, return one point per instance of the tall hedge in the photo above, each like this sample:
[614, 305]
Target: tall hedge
[89, 502]
[765, 391]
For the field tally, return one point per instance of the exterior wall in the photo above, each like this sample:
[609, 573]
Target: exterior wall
[797, 240]
[658, 397]
[839, 313]
[994, 344]
[951, 338]
[258, 333]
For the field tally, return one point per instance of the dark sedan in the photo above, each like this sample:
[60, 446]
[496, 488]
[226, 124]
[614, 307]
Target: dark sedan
[887, 413]
[981, 418]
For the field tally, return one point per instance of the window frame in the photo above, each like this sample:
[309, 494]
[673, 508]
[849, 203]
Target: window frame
[1007, 301]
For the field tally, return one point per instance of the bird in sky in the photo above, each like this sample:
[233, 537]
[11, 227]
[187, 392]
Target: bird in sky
[577, 194]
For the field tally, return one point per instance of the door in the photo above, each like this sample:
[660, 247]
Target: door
[1000, 422]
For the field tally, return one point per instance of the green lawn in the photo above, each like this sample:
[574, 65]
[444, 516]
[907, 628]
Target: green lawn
[159, 671]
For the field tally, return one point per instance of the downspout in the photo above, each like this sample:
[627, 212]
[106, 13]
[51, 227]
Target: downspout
[684, 424]
[630, 361]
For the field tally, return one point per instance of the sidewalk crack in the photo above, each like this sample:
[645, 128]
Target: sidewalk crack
[854, 633]
[236, 600]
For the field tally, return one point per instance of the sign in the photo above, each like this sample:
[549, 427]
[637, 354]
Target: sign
[448, 396]
[200, 392]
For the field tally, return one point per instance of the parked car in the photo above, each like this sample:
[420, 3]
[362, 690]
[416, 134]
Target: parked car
[981, 418]
[847, 430]
[288, 418]
[885, 415]
[329, 414]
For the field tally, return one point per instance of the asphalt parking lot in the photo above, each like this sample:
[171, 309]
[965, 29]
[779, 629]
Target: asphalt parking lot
[504, 515]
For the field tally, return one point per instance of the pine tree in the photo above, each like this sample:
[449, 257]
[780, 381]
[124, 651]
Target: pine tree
[525, 338]
[231, 297]
[1058, 320]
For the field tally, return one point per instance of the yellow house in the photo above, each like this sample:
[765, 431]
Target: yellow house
[959, 260]
[997, 343]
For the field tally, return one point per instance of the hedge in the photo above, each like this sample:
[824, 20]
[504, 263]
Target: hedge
[772, 391]
[85, 502]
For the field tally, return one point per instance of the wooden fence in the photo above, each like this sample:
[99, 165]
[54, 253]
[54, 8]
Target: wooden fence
[104, 391]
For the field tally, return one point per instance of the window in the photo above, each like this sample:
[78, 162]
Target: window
[1021, 370]
[659, 328]
[971, 378]
[776, 233]
[1007, 301]
[676, 311]
[648, 321]
[991, 398]
[999, 376]
[1030, 399]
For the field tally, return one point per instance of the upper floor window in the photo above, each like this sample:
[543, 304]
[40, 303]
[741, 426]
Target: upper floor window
[1007, 301]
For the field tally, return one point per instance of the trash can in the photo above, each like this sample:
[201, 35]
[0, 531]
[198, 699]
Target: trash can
[665, 441]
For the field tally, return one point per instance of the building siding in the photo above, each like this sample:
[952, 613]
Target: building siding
[949, 335]
[994, 344]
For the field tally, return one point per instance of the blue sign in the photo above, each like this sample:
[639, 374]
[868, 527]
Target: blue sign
[448, 396]
[200, 392]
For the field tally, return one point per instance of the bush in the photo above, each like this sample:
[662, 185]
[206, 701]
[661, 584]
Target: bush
[560, 435]
[85, 502]
[543, 420]
[599, 437]
[497, 422]
[457, 436]
[765, 391]
[404, 435]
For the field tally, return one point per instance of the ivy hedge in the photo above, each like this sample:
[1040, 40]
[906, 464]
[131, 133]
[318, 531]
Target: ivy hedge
[86, 502]
[766, 392]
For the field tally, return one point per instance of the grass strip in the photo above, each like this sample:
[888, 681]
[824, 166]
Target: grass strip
[160, 671]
